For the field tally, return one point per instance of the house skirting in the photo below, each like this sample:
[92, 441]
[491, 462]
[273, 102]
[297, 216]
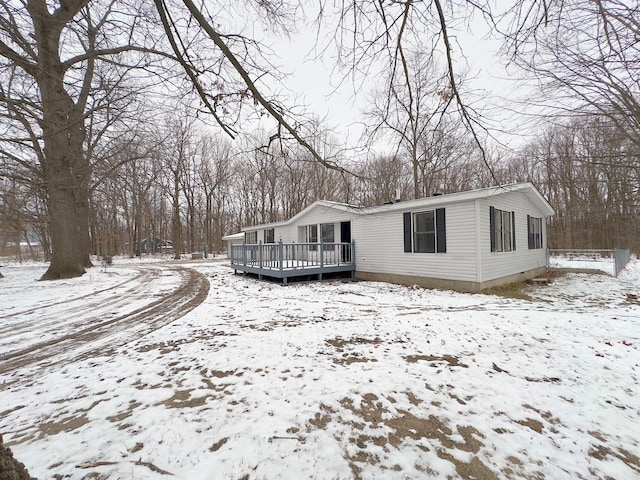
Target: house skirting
[443, 284]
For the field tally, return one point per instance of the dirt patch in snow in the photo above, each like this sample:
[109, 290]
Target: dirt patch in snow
[601, 452]
[395, 428]
[452, 360]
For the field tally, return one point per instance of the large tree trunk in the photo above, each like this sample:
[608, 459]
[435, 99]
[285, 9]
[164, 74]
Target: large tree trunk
[66, 169]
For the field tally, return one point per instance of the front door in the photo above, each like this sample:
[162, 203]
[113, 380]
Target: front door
[345, 237]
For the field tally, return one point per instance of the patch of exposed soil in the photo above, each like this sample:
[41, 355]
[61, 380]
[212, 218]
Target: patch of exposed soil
[601, 452]
[339, 343]
[399, 426]
[450, 359]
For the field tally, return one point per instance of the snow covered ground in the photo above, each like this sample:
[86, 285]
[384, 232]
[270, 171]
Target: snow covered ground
[604, 264]
[334, 380]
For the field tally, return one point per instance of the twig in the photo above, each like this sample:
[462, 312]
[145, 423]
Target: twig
[152, 467]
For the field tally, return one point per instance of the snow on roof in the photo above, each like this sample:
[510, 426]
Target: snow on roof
[233, 236]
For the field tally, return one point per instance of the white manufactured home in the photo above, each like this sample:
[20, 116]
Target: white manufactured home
[465, 241]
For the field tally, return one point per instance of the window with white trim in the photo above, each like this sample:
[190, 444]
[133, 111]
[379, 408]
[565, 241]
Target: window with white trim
[269, 235]
[534, 232]
[251, 238]
[425, 232]
[503, 232]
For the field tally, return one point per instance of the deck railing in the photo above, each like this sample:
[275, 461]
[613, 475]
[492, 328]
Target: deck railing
[284, 260]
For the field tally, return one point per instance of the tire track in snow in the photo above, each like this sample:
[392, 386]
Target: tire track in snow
[97, 336]
[52, 319]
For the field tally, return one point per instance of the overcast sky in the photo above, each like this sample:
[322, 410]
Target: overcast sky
[488, 88]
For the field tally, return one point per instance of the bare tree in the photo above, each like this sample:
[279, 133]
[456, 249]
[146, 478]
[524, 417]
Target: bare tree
[584, 54]
[215, 177]
[589, 173]
[52, 83]
[409, 108]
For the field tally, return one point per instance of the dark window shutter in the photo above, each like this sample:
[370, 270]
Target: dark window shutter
[529, 236]
[513, 229]
[441, 231]
[407, 231]
[492, 228]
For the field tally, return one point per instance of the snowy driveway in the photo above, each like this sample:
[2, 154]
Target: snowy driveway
[49, 324]
[331, 381]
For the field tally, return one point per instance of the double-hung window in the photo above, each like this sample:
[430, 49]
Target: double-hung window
[269, 235]
[534, 232]
[251, 238]
[503, 231]
[425, 232]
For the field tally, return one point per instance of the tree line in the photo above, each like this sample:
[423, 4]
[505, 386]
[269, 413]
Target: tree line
[103, 107]
[191, 187]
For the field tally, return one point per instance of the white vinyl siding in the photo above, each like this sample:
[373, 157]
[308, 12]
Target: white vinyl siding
[379, 244]
[379, 238]
[522, 259]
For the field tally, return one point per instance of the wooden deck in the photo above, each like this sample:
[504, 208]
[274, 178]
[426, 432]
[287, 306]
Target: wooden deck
[289, 260]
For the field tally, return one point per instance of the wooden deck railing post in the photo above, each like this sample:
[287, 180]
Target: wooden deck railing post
[353, 252]
[353, 257]
[269, 259]
[321, 258]
[244, 253]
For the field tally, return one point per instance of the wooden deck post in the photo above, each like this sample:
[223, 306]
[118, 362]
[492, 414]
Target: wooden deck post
[244, 257]
[260, 258]
[281, 257]
[353, 257]
[321, 258]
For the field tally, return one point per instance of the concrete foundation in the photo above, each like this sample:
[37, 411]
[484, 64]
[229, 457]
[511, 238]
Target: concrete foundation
[444, 284]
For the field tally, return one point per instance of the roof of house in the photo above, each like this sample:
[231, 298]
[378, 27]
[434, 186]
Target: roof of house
[233, 236]
[528, 188]
[439, 200]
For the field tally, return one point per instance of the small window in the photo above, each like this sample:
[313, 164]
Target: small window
[251, 238]
[425, 232]
[503, 233]
[534, 231]
[269, 235]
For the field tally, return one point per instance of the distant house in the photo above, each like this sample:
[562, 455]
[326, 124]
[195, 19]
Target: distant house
[465, 241]
[155, 245]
